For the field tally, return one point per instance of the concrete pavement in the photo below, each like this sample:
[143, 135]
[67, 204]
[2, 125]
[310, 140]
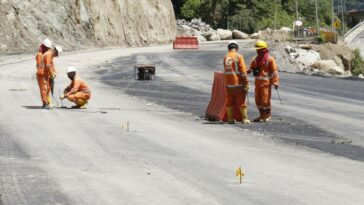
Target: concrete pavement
[169, 155]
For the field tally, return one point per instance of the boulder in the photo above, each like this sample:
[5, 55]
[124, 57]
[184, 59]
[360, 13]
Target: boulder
[214, 37]
[285, 29]
[211, 35]
[224, 34]
[305, 46]
[201, 38]
[289, 49]
[329, 67]
[293, 55]
[306, 58]
[347, 73]
[255, 36]
[3, 48]
[339, 62]
[346, 60]
[185, 30]
[240, 35]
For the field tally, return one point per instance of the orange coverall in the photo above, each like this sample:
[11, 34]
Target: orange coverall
[49, 70]
[42, 83]
[236, 79]
[78, 92]
[268, 76]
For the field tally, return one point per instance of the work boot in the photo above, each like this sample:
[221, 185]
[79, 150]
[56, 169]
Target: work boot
[259, 119]
[266, 115]
[244, 115]
[77, 106]
[49, 98]
[47, 107]
[230, 115]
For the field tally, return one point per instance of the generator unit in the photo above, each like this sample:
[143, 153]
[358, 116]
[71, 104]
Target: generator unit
[144, 72]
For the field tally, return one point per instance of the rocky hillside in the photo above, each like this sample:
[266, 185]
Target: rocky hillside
[84, 23]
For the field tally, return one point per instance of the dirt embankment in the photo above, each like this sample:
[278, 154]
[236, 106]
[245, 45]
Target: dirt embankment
[83, 24]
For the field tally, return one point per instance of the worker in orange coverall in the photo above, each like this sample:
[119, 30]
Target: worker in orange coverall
[265, 71]
[78, 91]
[50, 71]
[237, 83]
[42, 83]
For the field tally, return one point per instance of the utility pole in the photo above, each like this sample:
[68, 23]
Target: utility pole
[333, 19]
[317, 20]
[297, 19]
[297, 10]
[342, 17]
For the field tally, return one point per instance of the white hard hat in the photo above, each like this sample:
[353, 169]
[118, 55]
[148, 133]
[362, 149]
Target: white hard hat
[71, 69]
[47, 43]
[58, 49]
[233, 42]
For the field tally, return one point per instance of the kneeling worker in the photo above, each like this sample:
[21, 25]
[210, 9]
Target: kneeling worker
[78, 91]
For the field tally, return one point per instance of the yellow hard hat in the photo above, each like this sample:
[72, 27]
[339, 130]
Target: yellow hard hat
[260, 44]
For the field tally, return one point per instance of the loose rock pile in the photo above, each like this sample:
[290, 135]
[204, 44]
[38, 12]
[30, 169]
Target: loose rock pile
[309, 60]
[204, 32]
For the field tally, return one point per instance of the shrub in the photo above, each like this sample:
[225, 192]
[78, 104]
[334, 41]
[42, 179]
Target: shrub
[357, 63]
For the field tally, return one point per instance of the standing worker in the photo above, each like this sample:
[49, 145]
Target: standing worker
[237, 83]
[265, 71]
[78, 91]
[50, 71]
[42, 83]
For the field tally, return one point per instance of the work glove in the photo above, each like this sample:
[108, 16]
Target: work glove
[276, 87]
[246, 88]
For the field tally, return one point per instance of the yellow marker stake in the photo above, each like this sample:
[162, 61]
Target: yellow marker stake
[240, 173]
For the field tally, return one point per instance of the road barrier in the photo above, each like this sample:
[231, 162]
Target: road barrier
[216, 110]
[186, 43]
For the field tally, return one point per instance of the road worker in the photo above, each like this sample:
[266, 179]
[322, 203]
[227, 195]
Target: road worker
[265, 71]
[78, 91]
[42, 83]
[237, 83]
[50, 72]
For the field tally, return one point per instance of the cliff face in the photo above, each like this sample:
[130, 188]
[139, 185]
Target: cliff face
[84, 23]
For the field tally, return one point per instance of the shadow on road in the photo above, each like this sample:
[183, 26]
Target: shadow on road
[31, 107]
[167, 93]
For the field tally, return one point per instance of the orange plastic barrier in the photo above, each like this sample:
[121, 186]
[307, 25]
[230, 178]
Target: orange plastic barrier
[216, 110]
[186, 43]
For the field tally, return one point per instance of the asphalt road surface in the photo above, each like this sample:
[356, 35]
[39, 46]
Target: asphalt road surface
[147, 142]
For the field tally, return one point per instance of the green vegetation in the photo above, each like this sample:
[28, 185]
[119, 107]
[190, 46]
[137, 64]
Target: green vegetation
[253, 15]
[357, 63]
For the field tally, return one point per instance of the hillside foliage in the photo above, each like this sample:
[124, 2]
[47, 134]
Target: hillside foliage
[253, 15]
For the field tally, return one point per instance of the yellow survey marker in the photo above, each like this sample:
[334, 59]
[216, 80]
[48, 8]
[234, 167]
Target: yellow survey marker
[239, 173]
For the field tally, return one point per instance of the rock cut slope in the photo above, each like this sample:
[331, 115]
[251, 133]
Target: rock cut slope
[84, 23]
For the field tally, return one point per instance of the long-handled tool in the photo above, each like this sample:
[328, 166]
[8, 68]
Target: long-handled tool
[280, 100]
[59, 92]
[52, 91]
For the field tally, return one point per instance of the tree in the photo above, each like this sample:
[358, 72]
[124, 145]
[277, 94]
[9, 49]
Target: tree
[253, 15]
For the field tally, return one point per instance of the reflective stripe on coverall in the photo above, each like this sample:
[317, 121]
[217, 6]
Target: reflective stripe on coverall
[78, 91]
[267, 77]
